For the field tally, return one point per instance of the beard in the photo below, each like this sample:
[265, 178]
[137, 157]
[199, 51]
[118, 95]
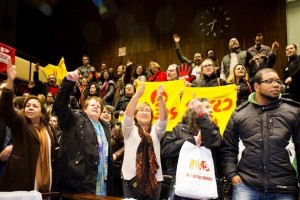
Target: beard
[197, 62]
[129, 95]
[269, 97]
[51, 83]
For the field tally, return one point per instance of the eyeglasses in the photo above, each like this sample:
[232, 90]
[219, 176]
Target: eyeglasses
[208, 65]
[271, 81]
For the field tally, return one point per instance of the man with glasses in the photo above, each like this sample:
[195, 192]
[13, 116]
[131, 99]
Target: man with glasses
[262, 142]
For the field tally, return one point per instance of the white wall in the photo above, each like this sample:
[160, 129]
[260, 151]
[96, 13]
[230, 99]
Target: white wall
[293, 22]
[23, 69]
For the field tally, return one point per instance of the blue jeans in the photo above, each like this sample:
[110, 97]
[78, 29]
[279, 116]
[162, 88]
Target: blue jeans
[243, 192]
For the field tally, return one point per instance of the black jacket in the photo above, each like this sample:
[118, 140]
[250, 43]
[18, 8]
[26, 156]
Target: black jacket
[78, 156]
[265, 132]
[121, 105]
[209, 81]
[245, 90]
[292, 69]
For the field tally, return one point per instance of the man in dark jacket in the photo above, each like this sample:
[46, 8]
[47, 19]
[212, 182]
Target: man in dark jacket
[44, 87]
[266, 130]
[85, 157]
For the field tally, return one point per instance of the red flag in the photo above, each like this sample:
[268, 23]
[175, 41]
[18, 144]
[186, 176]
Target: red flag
[6, 52]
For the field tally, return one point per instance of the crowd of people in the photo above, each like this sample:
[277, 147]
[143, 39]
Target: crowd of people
[92, 135]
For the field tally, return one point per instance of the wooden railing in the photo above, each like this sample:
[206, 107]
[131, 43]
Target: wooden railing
[76, 196]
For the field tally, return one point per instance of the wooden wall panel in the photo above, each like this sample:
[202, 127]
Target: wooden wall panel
[146, 29]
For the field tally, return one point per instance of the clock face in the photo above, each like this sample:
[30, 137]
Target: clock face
[214, 21]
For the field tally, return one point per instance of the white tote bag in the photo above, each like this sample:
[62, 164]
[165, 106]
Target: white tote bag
[195, 175]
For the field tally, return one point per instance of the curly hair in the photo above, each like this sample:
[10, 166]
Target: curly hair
[189, 118]
[135, 75]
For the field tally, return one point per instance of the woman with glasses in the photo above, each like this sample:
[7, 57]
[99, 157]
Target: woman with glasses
[209, 77]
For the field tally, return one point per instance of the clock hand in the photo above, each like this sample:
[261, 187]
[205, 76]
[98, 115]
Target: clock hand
[210, 23]
[213, 22]
[212, 27]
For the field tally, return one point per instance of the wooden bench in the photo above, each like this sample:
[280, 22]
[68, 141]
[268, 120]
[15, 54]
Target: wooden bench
[87, 196]
[75, 196]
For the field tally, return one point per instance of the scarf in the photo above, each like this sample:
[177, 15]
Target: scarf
[43, 165]
[103, 90]
[101, 186]
[146, 164]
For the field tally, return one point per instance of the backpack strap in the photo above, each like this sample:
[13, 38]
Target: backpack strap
[249, 86]
[219, 82]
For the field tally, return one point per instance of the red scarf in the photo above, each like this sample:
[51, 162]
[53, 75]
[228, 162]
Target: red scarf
[104, 86]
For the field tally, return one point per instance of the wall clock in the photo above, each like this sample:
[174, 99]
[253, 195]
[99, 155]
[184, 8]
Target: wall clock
[214, 21]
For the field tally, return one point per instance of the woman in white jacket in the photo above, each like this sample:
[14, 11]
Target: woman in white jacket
[142, 173]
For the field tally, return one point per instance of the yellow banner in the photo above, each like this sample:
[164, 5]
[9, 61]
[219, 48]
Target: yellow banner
[171, 97]
[222, 99]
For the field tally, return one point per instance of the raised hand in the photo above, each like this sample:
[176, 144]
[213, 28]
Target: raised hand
[129, 63]
[141, 90]
[11, 71]
[184, 70]
[197, 106]
[73, 76]
[275, 47]
[160, 90]
[176, 38]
